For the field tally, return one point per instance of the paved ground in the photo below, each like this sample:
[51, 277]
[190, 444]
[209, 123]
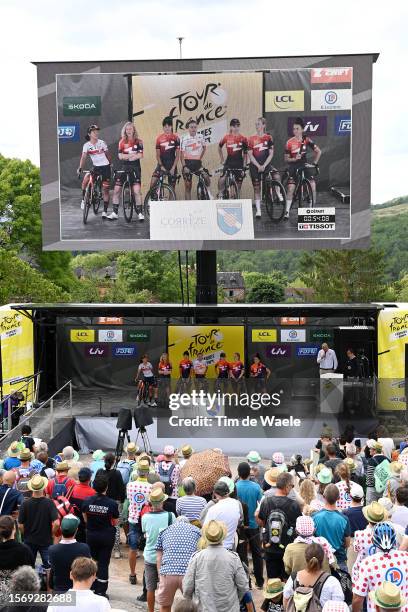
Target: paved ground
[122, 594]
[72, 227]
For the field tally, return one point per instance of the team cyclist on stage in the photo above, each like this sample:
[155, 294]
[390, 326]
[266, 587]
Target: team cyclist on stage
[260, 153]
[101, 158]
[295, 155]
[236, 146]
[192, 151]
[130, 152]
[167, 153]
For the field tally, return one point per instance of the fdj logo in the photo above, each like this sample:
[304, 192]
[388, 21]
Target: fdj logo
[345, 125]
[394, 575]
[331, 97]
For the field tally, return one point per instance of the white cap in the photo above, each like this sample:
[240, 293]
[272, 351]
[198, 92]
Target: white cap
[356, 491]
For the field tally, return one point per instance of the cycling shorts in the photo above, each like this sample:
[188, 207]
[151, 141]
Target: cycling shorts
[133, 174]
[239, 172]
[172, 177]
[191, 164]
[293, 170]
[104, 172]
[150, 381]
[255, 174]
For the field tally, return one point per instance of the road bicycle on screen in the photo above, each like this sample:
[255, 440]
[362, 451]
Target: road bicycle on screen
[127, 196]
[162, 191]
[202, 190]
[231, 191]
[303, 194]
[93, 194]
[143, 392]
[273, 195]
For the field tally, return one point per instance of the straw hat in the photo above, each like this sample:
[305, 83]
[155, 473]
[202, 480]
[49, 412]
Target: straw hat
[274, 588]
[271, 476]
[375, 513]
[374, 445]
[37, 483]
[62, 466]
[157, 496]
[396, 468]
[350, 464]
[187, 451]
[13, 450]
[131, 448]
[214, 532]
[25, 454]
[143, 466]
[98, 455]
[388, 596]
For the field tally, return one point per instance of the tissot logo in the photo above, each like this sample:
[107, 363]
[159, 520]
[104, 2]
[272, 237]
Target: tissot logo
[81, 106]
[96, 351]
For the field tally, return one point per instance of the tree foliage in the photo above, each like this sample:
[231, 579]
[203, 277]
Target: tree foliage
[268, 290]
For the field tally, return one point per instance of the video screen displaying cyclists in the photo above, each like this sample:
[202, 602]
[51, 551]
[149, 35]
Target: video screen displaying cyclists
[296, 157]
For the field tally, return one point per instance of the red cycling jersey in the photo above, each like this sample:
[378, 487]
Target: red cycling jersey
[295, 146]
[165, 368]
[236, 368]
[236, 146]
[260, 147]
[131, 146]
[168, 145]
[258, 370]
[185, 366]
[223, 368]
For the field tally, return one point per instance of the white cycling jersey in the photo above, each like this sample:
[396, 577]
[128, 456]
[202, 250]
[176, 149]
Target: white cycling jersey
[146, 369]
[97, 152]
[192, 146]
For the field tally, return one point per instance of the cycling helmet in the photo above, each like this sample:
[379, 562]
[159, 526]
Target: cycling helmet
[384, 537]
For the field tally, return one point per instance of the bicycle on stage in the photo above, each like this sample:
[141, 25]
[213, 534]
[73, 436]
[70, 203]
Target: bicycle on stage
[93, 193]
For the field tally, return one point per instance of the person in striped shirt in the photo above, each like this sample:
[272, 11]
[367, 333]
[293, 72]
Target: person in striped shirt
[190, 505]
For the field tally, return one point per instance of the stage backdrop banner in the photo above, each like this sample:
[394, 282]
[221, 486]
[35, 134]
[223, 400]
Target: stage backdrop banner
[392, 339]
[17, 351]
[212, 99]
[209, 339]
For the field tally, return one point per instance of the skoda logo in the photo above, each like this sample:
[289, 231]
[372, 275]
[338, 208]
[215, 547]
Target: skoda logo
[331, 97]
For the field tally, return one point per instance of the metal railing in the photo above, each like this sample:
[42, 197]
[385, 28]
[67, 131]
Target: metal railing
[28, 389]
[41, 419]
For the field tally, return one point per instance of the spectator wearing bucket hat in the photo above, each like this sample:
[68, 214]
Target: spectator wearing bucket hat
[137, 494]
[278, 460]
[24, 473]
[186, 451]
[294, 557]
[38, 519]
[324, 477]
[257, 469]
[374, 513]
[215, 576]
[273, 596]
[126, 466]
[61, 484]
[396, 469]
[169, 472]
[98, 461]
[152, 524]
[387, 596]
[12, 460]
[62, 555]
[376, 457]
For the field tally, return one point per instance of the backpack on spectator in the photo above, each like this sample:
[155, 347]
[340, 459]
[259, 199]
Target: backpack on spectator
[306, 599]
[59, 488]
[346, 584]
[61, 500]
[165, 476]
[125, 468]
[278, 533]
[23, 480]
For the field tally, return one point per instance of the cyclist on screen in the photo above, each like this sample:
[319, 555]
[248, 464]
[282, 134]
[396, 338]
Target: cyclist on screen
[236, 146]
[101, 159]
[260, 153]
[222, 371]
[192, 151]
[259, 372]
[200, 371]
[130, 152]
[237, 369]
[145, 375]
[295, 155]
[185, 370]
[165, 369]
[167, 153]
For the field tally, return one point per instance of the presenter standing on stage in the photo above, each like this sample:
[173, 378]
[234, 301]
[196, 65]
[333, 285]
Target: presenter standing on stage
[327, 359]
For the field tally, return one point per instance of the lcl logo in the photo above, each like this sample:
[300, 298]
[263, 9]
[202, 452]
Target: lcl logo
[82, 334]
